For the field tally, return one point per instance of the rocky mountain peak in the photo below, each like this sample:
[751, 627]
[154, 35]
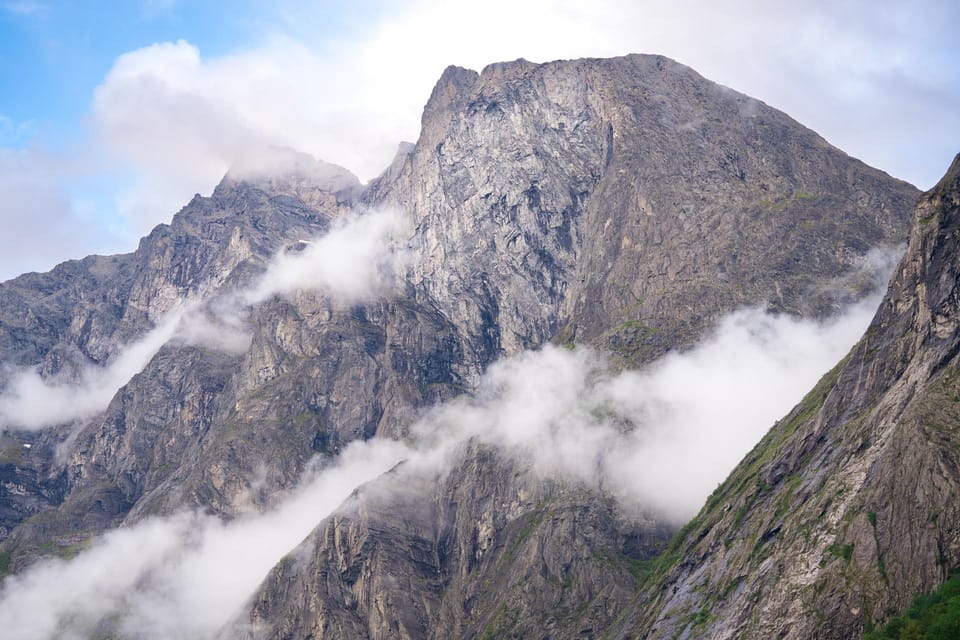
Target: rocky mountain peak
[938, 217]
[453, 82]
[558, 176]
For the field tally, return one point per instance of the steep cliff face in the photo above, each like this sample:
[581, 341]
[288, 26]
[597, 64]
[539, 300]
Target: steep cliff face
[85, 310]
[849, 507]
[417, 555]
[627, 203]
[84, 313]
[623, 203]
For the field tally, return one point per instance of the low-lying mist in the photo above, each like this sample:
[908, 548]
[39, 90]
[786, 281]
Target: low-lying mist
[181, 576]
[357, 260]
[660, 439]
[30, 401]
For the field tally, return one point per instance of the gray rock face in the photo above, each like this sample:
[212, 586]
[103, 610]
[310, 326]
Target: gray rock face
[622, 203]
[25, 486]
[83, 312]
[89, 308]
[848, 508]
[484, 550]
[625, 203]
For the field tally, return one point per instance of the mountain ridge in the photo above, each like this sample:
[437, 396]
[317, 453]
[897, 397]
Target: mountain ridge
[870, 455]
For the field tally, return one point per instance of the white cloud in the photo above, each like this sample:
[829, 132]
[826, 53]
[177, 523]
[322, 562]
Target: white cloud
[30, 401]
[698, 414]
[173, 120]
[219, 324]
[41, 225]
[64, 600]
[359, 258]
[183, 576]
[181, 121]
[661, 439]
[847, 70]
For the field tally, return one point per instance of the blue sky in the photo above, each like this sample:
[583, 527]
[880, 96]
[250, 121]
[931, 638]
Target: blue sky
[53, 54]
[112, 114]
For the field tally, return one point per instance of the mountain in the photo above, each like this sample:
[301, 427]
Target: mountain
[848, 508]
[624, 204]
[87, 311]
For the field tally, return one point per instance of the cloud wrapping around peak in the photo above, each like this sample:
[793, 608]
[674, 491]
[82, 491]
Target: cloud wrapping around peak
[183, 121]
[168, 120]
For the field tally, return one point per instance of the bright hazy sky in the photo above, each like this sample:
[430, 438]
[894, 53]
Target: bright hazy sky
[113, 114]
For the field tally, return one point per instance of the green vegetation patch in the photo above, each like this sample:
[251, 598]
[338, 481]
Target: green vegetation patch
[6, 560]
[932, 617]
[503, 625]
[842, 551]
[925, 220]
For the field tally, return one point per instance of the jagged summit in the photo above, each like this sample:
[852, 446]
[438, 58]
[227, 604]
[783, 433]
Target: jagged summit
[598, 162]
[947, 186]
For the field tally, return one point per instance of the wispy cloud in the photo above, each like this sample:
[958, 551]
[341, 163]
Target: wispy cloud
[179, 577]
[31, 402]
[358, 259]
[660, 439]
[41, 225]
[175, 118]
[179, 118]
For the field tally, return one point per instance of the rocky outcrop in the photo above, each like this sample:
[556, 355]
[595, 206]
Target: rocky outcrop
[84, 312]
[26, 488]
[849, 507]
